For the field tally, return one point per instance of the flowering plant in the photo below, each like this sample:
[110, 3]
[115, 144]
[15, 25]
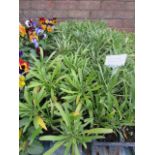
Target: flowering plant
[32, 33]
[23, 70]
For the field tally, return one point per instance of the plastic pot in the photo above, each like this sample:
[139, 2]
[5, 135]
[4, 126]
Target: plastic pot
[112, 148]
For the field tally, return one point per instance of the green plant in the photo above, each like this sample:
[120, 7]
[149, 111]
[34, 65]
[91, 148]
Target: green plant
[77, 96]
[28, 144]
[114, 105]
[45, 72]
[96, 37]
[31, 110]
[73, 133]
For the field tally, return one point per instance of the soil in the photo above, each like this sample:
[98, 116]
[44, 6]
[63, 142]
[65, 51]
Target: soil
[127, 132]
[111, 138]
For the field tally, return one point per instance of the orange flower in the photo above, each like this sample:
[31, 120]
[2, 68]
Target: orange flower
[49, 28]
[22, 30]
[32, 36]
[43, 26]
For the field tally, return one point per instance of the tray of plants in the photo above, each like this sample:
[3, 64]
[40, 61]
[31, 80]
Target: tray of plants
[70, 102]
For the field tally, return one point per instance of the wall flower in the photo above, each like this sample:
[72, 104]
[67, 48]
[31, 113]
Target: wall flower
[32, 35]
[20, 53]
[43, 26]
[22, 30]
[49, 28]
[35, 42]
[41, 20]
[54, 20]
[30, 23]
[34, 24]
[39, 31]
[23, 66]
[21, 81]
[46, 21]
[43, 36]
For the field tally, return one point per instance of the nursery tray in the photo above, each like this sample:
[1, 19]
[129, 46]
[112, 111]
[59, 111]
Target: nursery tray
[113, 148]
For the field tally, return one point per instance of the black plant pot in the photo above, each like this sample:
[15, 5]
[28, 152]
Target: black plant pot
[112, 148]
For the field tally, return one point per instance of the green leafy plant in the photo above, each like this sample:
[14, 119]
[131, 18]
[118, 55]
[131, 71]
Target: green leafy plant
[75, 95]
[73, 133]
[28, 144]
[114, 105]
[31, 110]
[45, 72]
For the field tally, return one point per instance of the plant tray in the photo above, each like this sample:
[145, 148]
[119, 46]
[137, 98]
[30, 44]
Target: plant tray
[113, 148]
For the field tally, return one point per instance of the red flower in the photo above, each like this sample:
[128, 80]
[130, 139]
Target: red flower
[42, 20]
[23, 65]
[21, 61]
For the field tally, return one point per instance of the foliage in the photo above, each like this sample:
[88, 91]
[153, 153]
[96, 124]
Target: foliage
[71, 93]
[73, 133]
[28, 144]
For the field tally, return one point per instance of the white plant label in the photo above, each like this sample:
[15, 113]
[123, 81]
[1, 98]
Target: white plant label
[115, 61]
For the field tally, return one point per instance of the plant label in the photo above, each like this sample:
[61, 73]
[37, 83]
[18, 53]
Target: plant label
[115, 61]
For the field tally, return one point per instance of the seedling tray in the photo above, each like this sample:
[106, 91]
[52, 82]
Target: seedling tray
[113, 148]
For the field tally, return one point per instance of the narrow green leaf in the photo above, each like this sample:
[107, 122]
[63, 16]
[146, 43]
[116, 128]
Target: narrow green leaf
[69, 98]
[63, 114]
[68, 91]
[34, 84]
[52, 138]
[41, 53]
[35, 133]
[98, 131]
[49, 58]
[87, 139]
[54, 148]
[68, 147]
[77, 152]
